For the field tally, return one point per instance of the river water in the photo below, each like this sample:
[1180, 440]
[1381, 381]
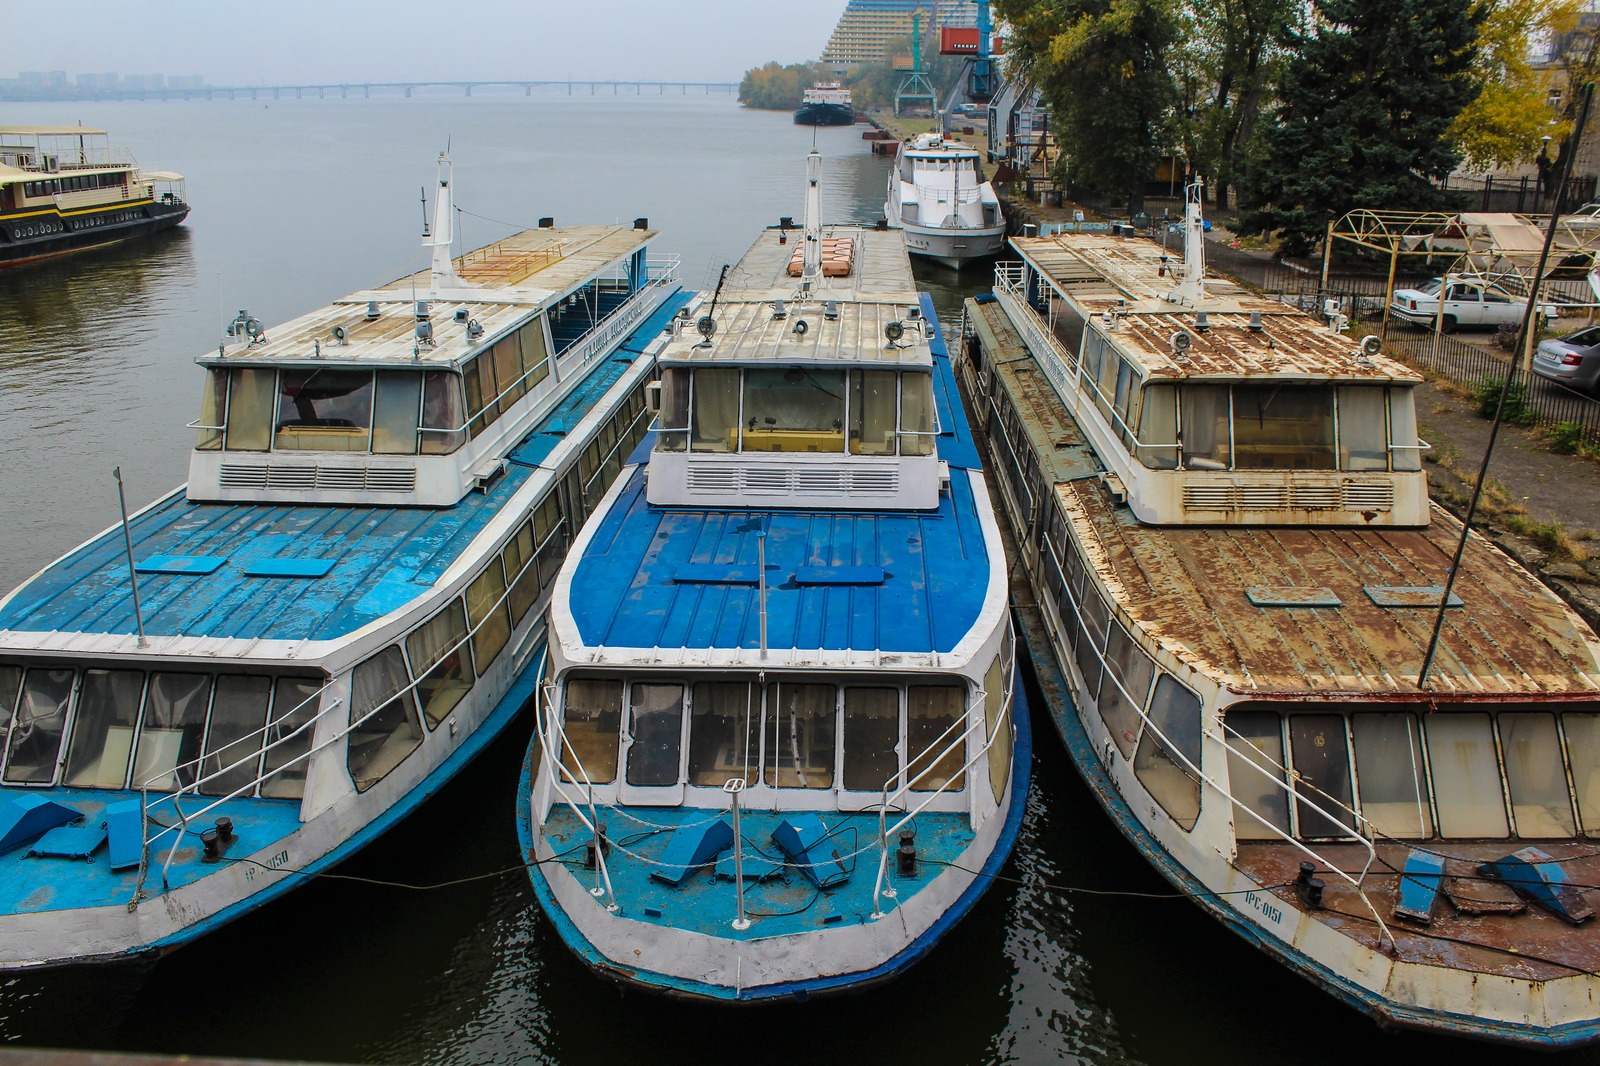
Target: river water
[299, 202]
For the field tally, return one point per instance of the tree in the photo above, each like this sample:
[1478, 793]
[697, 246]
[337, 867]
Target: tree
[1506, 122]
[1364, 114]
[1229, 53]
[1103, 68]
[776, 88]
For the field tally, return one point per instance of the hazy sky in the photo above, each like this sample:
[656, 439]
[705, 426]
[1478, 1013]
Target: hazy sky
[243, 42]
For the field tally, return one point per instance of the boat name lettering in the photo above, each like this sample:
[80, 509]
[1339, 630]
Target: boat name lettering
[1256, 900]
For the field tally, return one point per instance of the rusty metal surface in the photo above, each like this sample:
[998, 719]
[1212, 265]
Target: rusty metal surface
[1533, 944]
[1062, 449]
[1122, 276]
[1187, 587]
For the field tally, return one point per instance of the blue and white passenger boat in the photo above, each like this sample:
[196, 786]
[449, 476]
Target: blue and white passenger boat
[1220, 506]
[263, 670]
[781, 745]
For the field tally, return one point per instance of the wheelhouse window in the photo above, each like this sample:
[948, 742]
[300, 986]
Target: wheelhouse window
[934, 718]
[672, 422]
[252, 399]
[172, 731]
[871, 737]
[656, 734]
[1162, 763]
[793, 409]
[443, 415]
[800, 742]
[395, 410]
[724, 733]
[592, 721]
[1531, 748]
[35, 722]
[1280, 426]
[442, 660]
[1125, 687]
[102, 733]
[234, 743]
[324, 410]
[1322, 767]
[1283, 427]
[1466, 775]
[294, 707]
[1393, 775]
[1255, 775]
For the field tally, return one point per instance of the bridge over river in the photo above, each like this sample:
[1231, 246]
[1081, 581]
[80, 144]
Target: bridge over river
[569, 87]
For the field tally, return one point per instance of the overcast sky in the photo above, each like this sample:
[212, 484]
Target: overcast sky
[244, 42]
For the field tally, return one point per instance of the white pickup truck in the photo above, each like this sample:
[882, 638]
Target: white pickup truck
[1470, 303]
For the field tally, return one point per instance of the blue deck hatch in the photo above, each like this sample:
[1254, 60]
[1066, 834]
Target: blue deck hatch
[290, 568]
[180, 564]
[22, 818]
[1419, 887]
[1536, 876]
[808, 844]
[691, 847]
[69, 842]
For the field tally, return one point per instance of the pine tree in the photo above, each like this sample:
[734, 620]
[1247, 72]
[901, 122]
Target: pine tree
[1365, 107]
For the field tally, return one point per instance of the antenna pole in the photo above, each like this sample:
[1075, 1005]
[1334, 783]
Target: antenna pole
[424, 199]
[127, 543]
[761, 584]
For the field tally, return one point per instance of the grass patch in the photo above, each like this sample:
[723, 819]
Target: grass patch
[1485, 396]
[1551, 536]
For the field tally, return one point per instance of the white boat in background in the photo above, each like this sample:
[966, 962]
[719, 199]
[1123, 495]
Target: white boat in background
[1220, 505]
[940, 199]
[264, 669]
[782, 748]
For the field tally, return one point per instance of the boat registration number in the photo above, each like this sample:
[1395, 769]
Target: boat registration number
[273, 862]
[1267, 910]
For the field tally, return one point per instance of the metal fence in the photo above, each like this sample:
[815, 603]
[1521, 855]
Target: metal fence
[1526, 195]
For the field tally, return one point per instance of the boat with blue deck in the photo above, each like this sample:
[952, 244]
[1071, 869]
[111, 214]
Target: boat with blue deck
[781, 747]
[1246, 627]
[261, 671]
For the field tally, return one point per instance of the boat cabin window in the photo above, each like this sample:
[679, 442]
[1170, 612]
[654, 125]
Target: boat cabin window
[1125, 687]
[496, 379]
[441, 659]
[162, 731]
[786, 734]
[1271, 427]
[384, 727]
[1163, 763]
[1255, 775]
[1457, 773]
[796, 409]
[254, 409]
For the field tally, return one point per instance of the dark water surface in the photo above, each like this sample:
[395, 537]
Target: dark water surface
[299, 202]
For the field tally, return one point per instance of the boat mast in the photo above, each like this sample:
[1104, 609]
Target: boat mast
[812, 268]
[1192, 289]
[443, 273]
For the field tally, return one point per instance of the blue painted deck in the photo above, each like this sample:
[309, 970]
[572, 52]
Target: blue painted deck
[645, 578]
[383, 557]
[49, 884]
[785, 904]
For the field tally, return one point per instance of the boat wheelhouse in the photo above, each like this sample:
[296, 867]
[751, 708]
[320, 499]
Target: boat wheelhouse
[939, 197]
[781, 747]
[1218, 504]
[260, 672]
[64, 188]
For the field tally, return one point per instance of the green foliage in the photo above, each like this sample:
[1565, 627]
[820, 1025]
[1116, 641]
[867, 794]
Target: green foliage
[1364, 112]
[873, 85]
[1565, 437]
[1105, 69]
[1518, 412]
[1503, 126]
[777, 88]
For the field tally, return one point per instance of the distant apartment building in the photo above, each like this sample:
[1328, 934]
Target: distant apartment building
[185, 81]
[108, 80]
[868, 27]
[144, 81]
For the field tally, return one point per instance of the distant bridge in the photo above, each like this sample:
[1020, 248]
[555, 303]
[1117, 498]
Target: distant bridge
[345, 90]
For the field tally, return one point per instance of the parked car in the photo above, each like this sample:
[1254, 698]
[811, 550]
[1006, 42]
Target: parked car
[1586, 217]
[1471, 303]
[1573, 360]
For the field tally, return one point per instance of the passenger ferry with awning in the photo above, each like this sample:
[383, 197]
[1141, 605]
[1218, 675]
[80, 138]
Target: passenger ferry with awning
[1220, 507]
[781, 746]
[264, 669]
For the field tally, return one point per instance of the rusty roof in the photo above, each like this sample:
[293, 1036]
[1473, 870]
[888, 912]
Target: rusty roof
[506, 282]
[1187, 588]
[1133, 280]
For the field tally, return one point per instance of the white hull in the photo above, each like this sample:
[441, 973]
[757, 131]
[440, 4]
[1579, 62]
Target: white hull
[954, 247]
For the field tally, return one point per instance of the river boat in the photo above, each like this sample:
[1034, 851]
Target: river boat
[781, 747]
[940, 199]
[827, 103]
[64, 189]
[1219, 507]
[261, 671]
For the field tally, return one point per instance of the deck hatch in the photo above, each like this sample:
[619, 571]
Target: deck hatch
[181, 564]
[290, 568]
[1409, 595]
[715, 574]
[1292, 596]
[839, 575]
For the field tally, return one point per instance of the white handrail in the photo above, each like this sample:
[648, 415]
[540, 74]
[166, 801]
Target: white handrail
[546, 722]
[974, 721]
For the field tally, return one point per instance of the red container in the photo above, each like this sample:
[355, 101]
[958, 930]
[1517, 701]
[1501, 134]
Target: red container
[958, 41]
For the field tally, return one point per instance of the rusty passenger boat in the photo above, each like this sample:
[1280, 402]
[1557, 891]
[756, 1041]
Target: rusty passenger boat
[1231, 572]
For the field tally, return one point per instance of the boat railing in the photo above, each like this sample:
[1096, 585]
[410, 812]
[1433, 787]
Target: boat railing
[256, 754]
[586, 345]
[1051, 354]
[1176, 753]
[971, 721]
[962, 194]
[555, 747]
